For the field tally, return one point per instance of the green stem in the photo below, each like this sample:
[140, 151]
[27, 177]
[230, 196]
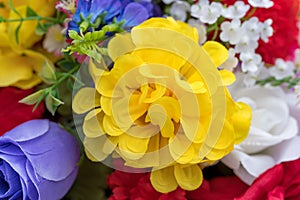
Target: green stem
[250, 14]
[64, 77]
[32, 18]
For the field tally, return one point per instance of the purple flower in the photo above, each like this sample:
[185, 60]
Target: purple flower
[132, 12]
[38, 160]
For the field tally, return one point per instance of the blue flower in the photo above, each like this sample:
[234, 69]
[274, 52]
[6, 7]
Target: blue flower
[130, 11]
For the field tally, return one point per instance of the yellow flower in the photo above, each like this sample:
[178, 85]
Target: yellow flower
[164, 105]
[20, 64]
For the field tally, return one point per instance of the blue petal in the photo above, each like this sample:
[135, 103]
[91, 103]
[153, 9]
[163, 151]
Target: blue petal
[98, 7]
[114, 10]
[134, 14]
[27, 131]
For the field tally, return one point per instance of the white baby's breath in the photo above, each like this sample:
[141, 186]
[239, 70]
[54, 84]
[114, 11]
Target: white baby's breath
[231, 31]
[179, 10]
[282, 69]
[236, 11]
[231, 61]
[250, 61]
[261, 3]
[266, 30]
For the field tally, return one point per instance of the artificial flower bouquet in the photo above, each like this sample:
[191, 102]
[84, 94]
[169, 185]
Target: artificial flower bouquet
[150, 99]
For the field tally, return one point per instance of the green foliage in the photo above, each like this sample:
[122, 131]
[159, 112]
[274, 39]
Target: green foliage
[91, 181]
[288, 81]
[87, 44]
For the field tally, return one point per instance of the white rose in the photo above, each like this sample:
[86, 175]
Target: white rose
[273, 133]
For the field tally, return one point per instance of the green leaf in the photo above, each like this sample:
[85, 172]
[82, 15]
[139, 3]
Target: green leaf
[48, 73]
[91, 181]
[65, 65]
[41, 29]
[2, 5]
[74, 35]
[33, 98]
[30, 12]
[52, 103]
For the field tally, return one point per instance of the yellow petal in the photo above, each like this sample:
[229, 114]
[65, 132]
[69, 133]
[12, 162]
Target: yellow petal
[84, 100]
[92, 125]
[227, 77]
[188, 177]
[163, 180]
[20, 67]
[27, 84]
[181, 149]
[120, 40]
[217, 52]
[133, 147]
[224, 139]
[111, 127]
[241, 121]
[26, 36]
[94, 148]
[106, 105]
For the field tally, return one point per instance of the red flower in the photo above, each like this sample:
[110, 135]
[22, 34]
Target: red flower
[225, 188]
[137, 186]
[284, 40]
[282, 182]
[14, 113]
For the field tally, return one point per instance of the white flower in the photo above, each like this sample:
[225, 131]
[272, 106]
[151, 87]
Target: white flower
[178, 10]
[250, 61]
[246, 44]
[251, 77]
[282, 69]
[196, 9]
[200, 28]
[231, 31]
[237, 10]
[261, 3]
[231, 61]
[273, 133]
[266, 30]
[54, 40]
[252, 27]
[205, 12]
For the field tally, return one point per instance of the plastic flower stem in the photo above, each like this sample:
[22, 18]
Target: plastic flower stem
[38, 18]
[215, 34]
[54, 86]
[250, 14]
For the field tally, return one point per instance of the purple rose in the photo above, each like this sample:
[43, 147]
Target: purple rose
[38, 160]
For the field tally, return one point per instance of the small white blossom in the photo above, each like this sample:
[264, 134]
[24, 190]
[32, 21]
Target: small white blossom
[261, 3]
[246, 44]
[237, 10]
[54, 40]
[231, 31]
[282, 69]
[251, 77]
[266, 30]
[196, 9]
[231, 61]
[250, 61]
[179, 9]
[210, 13]
[200, 28]
[252, 27]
